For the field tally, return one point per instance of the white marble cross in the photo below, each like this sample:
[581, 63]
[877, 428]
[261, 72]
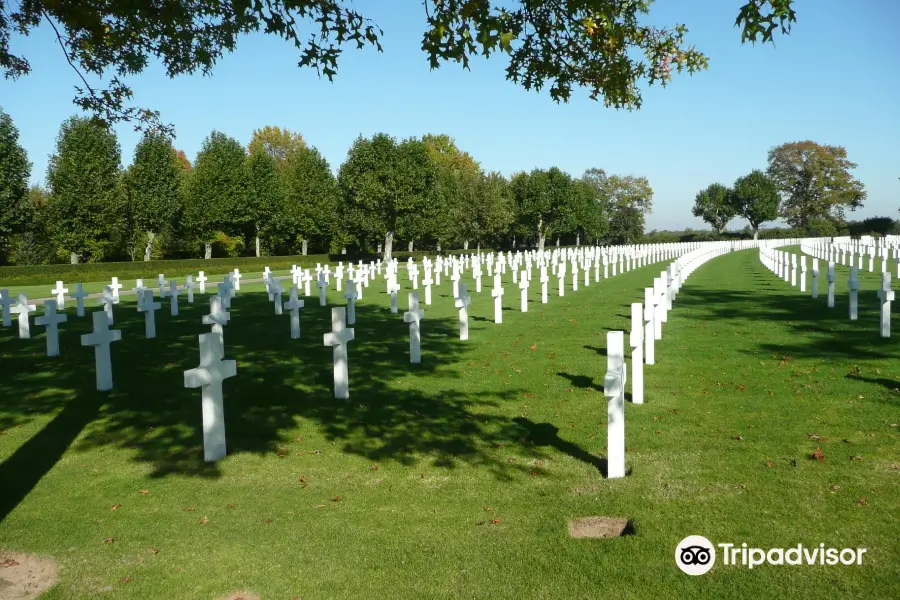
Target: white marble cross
[218, 317]
[815, 278]
[561, 277]
[60, 292]
[636, 341]
[427, 283]
[149, 308]
[322, 284]
[462, 305]
[173, 298]
[455, 279]
[886, 295]
[414, 317]
[189, 287]
[574, 277]
[276, 291]
[236, 278]
[338, 339]
[5, 303]
[393, 288]
[23, 310]
[115, 286]
[545, 280]
[107, 300]
[163, 285]
[497, 293]
[201, 281]
[51, 320]
[523, 291]
[649, 326]
[803, 273]
[614, 390]
[294, 305]
[213, 370]
[853, 287]
[831, 279]
[100, 339]
[79, 295]
[350, 296]
[307, 282]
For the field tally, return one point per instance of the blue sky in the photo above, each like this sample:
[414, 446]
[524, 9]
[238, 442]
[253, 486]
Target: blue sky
[834, 80]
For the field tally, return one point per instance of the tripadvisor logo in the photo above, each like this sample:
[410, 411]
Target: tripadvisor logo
[696, 555]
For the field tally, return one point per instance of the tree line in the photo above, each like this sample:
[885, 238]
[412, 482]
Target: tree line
[809, 185]
[279, 196]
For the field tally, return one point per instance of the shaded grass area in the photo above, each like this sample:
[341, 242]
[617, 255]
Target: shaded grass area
[456, 478]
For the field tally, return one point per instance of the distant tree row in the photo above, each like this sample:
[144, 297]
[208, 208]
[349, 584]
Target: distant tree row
[279, 196]
[806, 184]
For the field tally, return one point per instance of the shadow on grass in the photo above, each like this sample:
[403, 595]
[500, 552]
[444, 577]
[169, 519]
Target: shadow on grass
[547, 434]
[279, 382]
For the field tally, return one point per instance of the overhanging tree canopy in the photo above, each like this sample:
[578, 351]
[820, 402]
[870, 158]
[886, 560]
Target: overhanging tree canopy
[599, 45]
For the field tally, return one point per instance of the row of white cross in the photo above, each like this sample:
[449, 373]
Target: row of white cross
[784, 265]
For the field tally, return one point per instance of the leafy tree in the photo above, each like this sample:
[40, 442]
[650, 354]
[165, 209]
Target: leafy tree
[449, 216]
[184, 160]
[543, 202]
[265, 200]
[600, 45]
[276, 142]
[756, 199]
[493, 208]
[385, 187]
[153, 188]
[33, 245]
[14, 173]
[626, 200]
[311, 208]
[218, 190]
[814, 181]
[591, 219]
[83, 176]
[715, 206]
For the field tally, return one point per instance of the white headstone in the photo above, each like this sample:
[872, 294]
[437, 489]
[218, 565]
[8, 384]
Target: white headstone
[350, 295]
[886, 295]
[277, 290]
[115, 286]
[831, 279]
[614, 390]
[100, 339]
[497, 293]
[79, 295]
[213, 370]
[523, 291]
[218, 317]
[201, 280]
[51, 320]
[149, 308]
[338, 339]
[462, 305]
[23, 310]
[60, 292]
[853, 288]
[189, 286]
[294, 304]
[815, 278]
[236, 278]
[322, 284]
[649, 327]
[173, 298]
[108, 301]
[636, 341]
[5, 303]
[414, 317]
[427, 282]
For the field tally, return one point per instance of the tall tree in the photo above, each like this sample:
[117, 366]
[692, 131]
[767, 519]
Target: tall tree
[814, 181]
[385, 187]
[627, 201]
[265, 200]
[543, 202]
[590, 218]
[715, 206]
[218, 190]
[14, 173]
[493, 208]
[450, 217]
[153, 188]
[600, 45]
[312, 198]
[276, 142]
[755, 198]
[83, 176]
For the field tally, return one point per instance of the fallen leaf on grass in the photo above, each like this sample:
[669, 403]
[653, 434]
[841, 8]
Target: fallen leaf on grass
[303, 482]
[770, 464]
[268, 521]
[855, 457]
[862, 502]
[336, 499]
[115, 507]
[190, 509]
[204, 521]
[742, 387]
[144, 492]
[496, 521]
[817, 455]
[534, 346]
[232, 506]
[125, 580]
[855, 370]
[835, 488]
[154, 550]
[738, 438]
[815, 437]
[109, 540]
[9, 563]
[373, 467]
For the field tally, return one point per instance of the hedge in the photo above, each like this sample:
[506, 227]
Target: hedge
[83, 273]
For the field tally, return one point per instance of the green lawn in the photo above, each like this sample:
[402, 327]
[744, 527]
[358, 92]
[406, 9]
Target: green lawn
[456, 478]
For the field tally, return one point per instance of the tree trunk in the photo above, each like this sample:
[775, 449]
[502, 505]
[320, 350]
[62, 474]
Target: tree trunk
[755, 233]
[465, 244]
[303, 247]
[578, 239]
[207, 251]
[74, 258]
[258, 253]
[148, 249]
[557, 241]
[388, 246]
[541, 240]
[410, 246]
[439, 247]
[514, 242]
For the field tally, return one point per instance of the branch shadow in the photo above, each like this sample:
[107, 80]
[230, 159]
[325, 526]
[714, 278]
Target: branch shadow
[547, 435]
